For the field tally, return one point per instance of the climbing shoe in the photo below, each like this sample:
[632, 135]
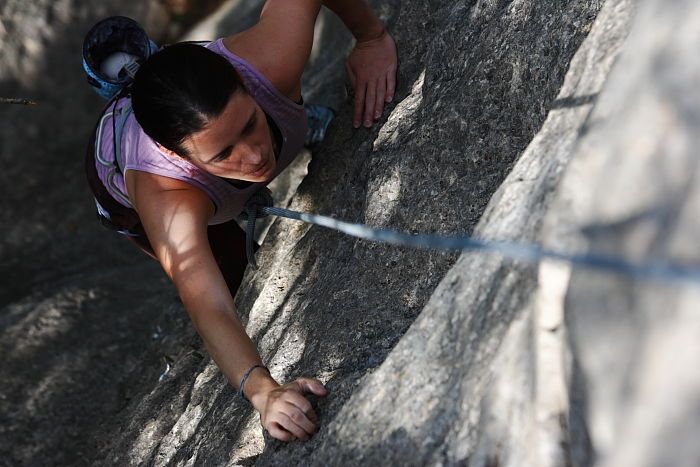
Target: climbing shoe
[318, 117]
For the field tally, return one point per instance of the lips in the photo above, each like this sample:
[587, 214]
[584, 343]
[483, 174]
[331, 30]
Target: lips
[259, 172]
[263, 170]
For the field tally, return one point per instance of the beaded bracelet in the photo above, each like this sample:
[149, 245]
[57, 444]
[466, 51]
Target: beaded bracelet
[245, 377]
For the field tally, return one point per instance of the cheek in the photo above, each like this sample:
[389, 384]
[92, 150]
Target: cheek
[269, 143]
[263, 136]
[264, 129]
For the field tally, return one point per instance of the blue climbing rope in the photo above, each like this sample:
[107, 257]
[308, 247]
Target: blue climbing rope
[657, 270]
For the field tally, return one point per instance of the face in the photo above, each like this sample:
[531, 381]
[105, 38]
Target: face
[237, 144]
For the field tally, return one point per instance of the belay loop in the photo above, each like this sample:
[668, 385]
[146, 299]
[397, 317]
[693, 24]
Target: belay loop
[254, 210]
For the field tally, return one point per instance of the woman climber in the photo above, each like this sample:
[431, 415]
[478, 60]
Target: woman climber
[210, 126]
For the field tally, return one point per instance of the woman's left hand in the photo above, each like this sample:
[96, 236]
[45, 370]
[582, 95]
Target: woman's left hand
[284, 411]
[371, 68]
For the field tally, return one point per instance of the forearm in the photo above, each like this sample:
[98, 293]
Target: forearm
[358, 17]
[213, 316]
[175, 218]
[284, 411]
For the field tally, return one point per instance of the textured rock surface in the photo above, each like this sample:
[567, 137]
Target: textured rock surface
[635, 343]
[464, 375]
[494, 131]
[476, 83]
[74, 316]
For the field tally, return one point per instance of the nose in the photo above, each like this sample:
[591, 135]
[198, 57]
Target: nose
[250, 154]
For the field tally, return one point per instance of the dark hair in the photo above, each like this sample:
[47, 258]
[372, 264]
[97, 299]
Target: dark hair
[178, 90]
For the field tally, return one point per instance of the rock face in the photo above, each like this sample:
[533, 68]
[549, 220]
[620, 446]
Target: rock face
[635, 342]
[507, 126]
[74, 316]
[477, 81]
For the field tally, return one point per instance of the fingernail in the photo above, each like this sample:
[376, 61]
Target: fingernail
[368, 123]
[390, 98]
[356, 124]
[377, 115]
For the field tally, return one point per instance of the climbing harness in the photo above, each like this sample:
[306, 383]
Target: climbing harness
[657, 270]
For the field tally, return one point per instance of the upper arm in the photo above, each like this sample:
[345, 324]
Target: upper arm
[175, 216]
[280, 43]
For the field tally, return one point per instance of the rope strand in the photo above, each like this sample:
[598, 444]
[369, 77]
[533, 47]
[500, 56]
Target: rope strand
[658, 270]
[260, 205]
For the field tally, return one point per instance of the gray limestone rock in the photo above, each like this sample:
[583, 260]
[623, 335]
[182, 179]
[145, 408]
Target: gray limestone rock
[476, 83]
[635, 342]
[75, 317]
[461, 386]
[505, 125]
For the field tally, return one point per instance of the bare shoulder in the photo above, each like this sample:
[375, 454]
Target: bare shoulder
[151, 193]
[174, 214]
[280, 43]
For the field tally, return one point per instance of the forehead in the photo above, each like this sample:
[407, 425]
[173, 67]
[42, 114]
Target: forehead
[224, 130]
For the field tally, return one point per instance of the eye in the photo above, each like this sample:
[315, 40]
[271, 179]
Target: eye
[223, 155]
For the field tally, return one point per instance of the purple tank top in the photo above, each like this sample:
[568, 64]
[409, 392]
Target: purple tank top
[140, 152]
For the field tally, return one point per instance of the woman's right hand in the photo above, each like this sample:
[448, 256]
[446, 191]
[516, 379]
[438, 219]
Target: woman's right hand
[371, 68]
[284, 411]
